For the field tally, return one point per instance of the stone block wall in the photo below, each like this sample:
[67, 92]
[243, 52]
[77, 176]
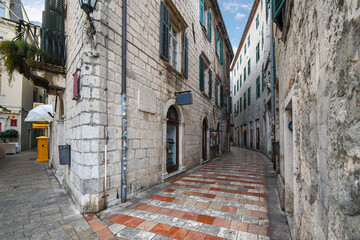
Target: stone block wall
[318, 72]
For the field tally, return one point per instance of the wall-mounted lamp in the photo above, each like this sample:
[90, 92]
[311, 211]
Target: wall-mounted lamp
[88, 6]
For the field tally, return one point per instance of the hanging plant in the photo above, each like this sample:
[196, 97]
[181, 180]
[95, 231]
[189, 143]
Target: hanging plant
[14, 53]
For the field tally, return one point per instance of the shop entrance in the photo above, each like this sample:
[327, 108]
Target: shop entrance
[204, 139]
[172, 140]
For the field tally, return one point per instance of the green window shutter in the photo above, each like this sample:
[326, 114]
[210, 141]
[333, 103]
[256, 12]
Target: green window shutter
[209, 25]
[234, 89]
[201, 73]
[267, 11]
[257, 21]
[210, 83]
[244, 74]
[216, 42]
[262, 77]
[240, 105]
[240, 59]
[258, 52]
[244, 100]
[202, 12]
[238, 85]
[185, 52]
[249, 66]
[249, 96]
[164, 32]
[240, 80]
[221, 95]
[249, 41]
[221, 52]
[262, 37]
[216, 92]
[244, 49]
[238, 102]
[258, 87]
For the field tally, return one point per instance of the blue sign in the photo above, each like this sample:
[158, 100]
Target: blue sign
[183, 98]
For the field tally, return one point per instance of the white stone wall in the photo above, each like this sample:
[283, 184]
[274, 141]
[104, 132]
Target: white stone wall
[84, 120]
[260, 109]
[318, 73]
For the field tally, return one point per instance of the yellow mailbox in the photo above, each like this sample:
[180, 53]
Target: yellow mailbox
[42, 149]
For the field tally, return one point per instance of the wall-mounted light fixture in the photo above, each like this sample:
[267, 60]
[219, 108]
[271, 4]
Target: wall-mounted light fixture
[88, 6]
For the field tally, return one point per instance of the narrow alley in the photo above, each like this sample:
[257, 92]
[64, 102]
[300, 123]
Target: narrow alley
[224, 199]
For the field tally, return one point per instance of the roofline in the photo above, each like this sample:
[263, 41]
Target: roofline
[223, 27]
[246, 30]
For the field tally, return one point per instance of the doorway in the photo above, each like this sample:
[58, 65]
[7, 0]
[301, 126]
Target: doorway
[257, 125]
[204, 139]
[172, 140]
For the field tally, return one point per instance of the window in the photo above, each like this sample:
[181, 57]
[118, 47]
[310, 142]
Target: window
[257, 21]
[258, 87]
[221, 52]
[237, 65]
[234, 72]
[249, 67]
[234, 90]
[244, 74]
[249, 41]
[240, 81]
[2, 9]
[216, 42]
[238, 85]
[202, 13]
[209, 25]
[258, 52]
[173, 41]
[267, 11]
[249, 96]
[238, 105]
[244, 100]
[1, 38]
[240, 58]
[216, 92]
[262, 36]
[263, 77]
[278, 12]
[262, 4]
[240, 110]
[244, 48]
[205, 77]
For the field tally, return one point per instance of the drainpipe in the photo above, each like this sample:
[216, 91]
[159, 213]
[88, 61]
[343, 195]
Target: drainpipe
[123, 104]
[273, 77]
[107, 103]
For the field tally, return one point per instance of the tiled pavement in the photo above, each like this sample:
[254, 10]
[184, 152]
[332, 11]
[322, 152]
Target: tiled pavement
[33, 205]
[224, 199]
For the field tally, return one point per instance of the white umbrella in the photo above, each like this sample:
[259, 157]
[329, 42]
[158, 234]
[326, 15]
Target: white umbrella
[40, 114]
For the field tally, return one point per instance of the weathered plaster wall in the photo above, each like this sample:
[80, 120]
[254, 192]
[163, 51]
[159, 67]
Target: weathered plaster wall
[318, 72]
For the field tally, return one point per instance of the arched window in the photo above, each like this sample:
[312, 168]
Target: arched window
[172, 114]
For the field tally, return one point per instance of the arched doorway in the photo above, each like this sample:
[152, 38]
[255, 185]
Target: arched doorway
[172, 140]
[218, 138]
[204, 139]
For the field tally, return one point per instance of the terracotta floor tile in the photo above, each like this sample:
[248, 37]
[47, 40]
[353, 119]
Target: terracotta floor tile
[141, 206]
[177, 213]
[146, 225]
[195, 236]
[94, 220]
[153, 209]
[229, 209]
[105, 234]
[202, 205]
[89, 217]
[118, 218]
[205, 219]
[133, 222]
[191, 216]
[168, 190]
[161, 229]
[256, 229]
[162, 198]
[190, 202]
[259, 214]
[222, 222]
[177, 233]
[164, 211]
[215, 206]
[179, 200]
[239, 226]
[243, 212]
[97, 226]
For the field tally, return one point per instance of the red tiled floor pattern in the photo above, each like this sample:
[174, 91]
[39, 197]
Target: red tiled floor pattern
[222, 200]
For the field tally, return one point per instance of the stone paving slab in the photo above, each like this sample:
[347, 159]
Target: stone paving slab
[33, 205]
[223, 199]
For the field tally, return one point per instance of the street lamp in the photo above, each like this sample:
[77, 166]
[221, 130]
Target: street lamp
[88, 6]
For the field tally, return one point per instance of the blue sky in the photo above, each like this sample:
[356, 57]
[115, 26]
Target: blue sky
[235, 14]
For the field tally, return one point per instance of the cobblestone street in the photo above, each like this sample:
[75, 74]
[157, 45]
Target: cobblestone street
[224, 199]
[33, 205]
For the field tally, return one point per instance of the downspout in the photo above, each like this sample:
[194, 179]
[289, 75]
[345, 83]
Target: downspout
[107, 103]
[123, 104]
[273, 77]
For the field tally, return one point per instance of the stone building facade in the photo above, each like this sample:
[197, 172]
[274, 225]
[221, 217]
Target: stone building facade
[318, 72]
[250, 73]
[172, 47]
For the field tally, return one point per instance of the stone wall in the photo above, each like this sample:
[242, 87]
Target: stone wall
[84, 119]
[318, 73]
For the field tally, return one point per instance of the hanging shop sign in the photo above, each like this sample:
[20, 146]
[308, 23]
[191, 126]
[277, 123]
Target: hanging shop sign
[214, 138]
[183, 98]
[13, 122]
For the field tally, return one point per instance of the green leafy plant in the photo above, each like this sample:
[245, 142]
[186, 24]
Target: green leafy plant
[10, 133]
[14, 53]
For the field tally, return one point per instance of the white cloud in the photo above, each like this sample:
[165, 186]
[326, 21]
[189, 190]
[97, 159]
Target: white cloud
[238, 28]
[234, 6]
[34, 9]
[239, 16]
[235, 49]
